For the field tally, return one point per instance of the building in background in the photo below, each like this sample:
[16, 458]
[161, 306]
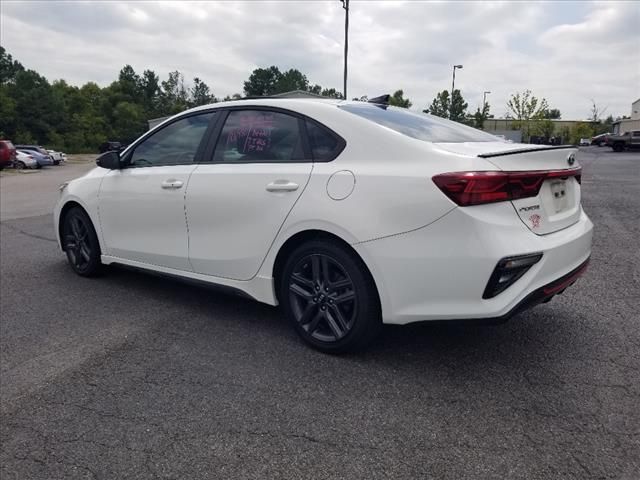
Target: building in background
[628, 124]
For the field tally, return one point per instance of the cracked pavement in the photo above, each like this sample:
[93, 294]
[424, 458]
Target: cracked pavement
[136, 376]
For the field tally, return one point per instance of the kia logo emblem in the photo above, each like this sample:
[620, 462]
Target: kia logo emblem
[571, 159]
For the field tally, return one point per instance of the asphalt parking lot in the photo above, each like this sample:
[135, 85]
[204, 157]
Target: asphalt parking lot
[134, 376]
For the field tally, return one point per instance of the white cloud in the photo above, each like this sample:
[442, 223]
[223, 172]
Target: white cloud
[568, 52]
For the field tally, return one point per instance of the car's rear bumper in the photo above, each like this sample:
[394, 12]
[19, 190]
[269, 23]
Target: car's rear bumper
[439, 272]
[544, 293]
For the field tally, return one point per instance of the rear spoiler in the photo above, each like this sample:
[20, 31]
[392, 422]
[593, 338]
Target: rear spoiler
[525, 150]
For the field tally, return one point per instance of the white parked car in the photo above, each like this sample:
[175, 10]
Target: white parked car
[25, 160]
[347, 214]
[58, 157]
[585, 142]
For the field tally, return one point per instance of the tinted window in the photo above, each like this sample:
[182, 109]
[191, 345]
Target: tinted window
[324, 144]
[175, 144]
[255, 136]
[419, 125]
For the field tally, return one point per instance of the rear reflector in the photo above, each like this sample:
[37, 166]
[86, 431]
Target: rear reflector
[477, 188]
[508, 271]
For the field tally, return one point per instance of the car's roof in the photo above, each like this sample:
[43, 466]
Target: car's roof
[291, 103]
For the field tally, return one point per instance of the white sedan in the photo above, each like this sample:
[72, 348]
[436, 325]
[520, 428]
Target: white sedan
[25, 160]
[347, 214]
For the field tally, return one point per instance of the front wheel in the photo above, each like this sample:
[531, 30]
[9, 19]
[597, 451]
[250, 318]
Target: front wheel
[328, 294]
[80, 243]
[19, 165]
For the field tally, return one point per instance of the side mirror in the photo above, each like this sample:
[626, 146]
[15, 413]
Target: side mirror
[110, 160]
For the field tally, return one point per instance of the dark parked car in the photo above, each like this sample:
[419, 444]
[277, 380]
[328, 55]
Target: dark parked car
[7, 153]
[600, 140]
[626, 141]
[37, 149]
[111, 147]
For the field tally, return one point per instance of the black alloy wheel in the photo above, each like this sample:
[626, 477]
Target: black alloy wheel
[80, 242]
[323, 298]
[329, 296]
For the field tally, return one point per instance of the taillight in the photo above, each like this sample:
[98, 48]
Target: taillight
[476, 188]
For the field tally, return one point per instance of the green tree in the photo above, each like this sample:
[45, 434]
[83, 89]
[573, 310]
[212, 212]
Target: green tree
[552, 114]
[332, 93]
[129, 120]
[440, 105]
[235, 96]
[398, 100]
[543, 127]
[580, 130]
[173, 95]
[9, 67]
[262, 81]
[291, 80]
[200, 94]
[37, 109]
[458, 112]
[129, 83]
[480, 116]
[315, 89]
[150, 87]
[454, 108]
[525, 107]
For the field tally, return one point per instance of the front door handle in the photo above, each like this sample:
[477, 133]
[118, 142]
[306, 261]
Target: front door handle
[282, 186]
[171, 184]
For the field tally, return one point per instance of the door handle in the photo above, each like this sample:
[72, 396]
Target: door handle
[171, 184]
[282, 186]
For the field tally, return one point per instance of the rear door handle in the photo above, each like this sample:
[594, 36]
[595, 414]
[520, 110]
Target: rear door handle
[282, 186]
[171, 184]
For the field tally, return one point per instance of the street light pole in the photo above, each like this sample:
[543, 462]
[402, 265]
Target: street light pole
[345, 5]
[484, 100]
[453, 86]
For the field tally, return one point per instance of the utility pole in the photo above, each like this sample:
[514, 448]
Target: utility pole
[453, 86]
[345, 5]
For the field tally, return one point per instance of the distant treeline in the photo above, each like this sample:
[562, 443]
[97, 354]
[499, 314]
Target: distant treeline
[79, 119]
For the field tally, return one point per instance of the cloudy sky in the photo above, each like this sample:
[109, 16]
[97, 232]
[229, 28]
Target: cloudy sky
[567, 51]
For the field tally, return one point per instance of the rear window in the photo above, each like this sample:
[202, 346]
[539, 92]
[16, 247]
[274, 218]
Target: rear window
[422, 126]
[325, 145]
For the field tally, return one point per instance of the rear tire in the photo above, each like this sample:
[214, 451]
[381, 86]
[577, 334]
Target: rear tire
[80, 243]
[618, 147]
[329, 296]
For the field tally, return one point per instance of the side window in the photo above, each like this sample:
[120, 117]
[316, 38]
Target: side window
[259, 136]
[325, 145]
[175, 144]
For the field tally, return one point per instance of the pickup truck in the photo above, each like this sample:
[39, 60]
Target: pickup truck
[627, 140]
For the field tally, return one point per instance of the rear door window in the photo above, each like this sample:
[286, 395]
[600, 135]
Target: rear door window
[259, 136]
[421, 126]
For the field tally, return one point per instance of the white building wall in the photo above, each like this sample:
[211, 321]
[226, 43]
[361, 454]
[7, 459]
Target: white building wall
[635, 110]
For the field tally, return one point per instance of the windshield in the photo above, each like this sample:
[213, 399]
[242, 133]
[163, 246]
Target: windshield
[422, 126]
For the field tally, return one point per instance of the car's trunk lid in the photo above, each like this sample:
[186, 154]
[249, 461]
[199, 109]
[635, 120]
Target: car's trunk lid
[557, 204]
